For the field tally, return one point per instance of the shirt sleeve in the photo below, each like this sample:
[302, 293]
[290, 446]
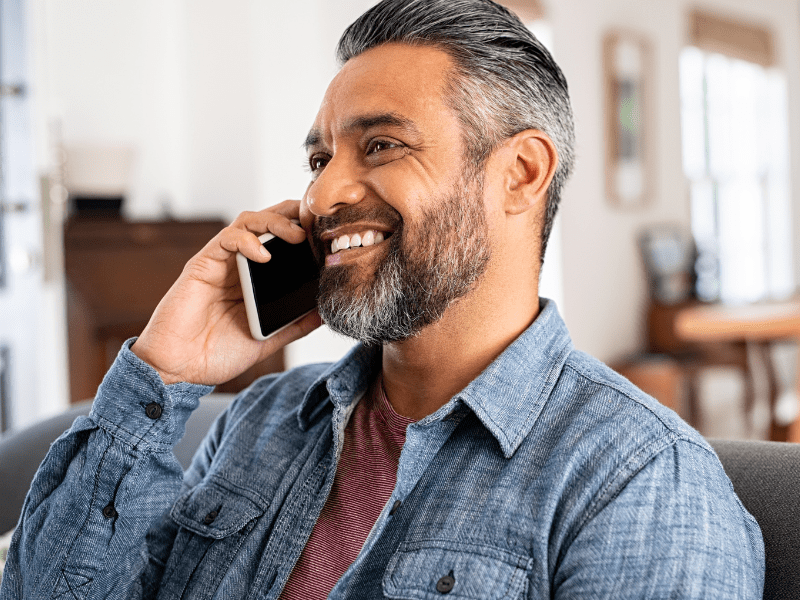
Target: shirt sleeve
[101, 487]
[675, 530]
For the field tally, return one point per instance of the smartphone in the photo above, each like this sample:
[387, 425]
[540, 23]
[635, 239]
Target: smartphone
[281, 291]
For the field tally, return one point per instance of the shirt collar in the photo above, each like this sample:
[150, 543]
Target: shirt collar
[507, 396]
[343, 382]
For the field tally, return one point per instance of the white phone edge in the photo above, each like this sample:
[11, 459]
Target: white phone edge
[247, 292]
[250, 307]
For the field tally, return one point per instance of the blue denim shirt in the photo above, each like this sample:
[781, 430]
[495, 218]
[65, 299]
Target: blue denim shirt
[548, 476]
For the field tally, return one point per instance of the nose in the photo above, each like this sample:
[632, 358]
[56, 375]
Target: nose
[336, 186]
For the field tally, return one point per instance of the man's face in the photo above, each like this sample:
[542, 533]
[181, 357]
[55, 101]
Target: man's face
[389, 181]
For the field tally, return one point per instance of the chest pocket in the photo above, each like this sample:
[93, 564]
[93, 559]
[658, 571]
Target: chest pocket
[432, 570]
[214, 510]
[214, 521]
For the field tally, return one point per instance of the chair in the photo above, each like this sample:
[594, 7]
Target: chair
[22, 452]
[766, 477]
[693, 358]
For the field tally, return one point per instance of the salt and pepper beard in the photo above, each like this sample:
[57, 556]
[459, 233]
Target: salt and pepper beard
[428, 266]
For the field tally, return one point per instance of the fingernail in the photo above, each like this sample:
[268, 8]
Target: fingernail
[264, 252]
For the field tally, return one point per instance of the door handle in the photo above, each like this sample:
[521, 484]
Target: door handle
[14, 207]
[12, 90]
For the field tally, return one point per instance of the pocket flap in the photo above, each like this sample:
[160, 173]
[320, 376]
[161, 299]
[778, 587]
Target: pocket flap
[466, 571]
[215, 511]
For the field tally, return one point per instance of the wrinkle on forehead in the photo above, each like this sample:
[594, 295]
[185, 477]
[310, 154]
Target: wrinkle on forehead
[360, 123]
[393, 79]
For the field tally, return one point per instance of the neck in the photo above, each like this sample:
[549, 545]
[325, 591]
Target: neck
[423, 373]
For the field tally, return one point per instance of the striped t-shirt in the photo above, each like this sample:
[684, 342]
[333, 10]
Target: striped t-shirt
[365, 478]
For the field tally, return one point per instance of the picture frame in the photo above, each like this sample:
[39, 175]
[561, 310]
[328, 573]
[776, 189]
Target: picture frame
[628, 70]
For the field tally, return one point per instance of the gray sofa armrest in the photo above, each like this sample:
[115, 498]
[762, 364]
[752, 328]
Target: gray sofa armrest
[22, 452]
[766, 477]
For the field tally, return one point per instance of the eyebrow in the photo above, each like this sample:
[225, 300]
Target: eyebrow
[363, 123]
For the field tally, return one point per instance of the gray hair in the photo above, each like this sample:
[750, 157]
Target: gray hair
[504, 80]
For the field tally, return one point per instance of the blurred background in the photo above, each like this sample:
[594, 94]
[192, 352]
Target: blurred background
[132, 131]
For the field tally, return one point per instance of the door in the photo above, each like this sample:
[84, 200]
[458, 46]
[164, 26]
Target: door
[21, 281]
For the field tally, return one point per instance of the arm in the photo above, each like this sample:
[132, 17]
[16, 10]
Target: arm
[106, 483]
[100, 488]
[675, 530]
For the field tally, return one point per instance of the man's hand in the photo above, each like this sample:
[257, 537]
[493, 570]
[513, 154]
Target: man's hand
[199, 332]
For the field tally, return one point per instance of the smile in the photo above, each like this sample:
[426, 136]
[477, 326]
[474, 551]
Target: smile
[363, 239]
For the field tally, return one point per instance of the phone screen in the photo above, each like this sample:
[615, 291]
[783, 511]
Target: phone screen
[286, 287]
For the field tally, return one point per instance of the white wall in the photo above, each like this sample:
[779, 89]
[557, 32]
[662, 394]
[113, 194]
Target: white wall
[112, 74]
[217, 97]
[604, 287]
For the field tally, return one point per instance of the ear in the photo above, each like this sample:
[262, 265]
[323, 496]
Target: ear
[531, 161]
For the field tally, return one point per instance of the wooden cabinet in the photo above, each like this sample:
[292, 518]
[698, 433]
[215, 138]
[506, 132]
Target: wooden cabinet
[117, 271]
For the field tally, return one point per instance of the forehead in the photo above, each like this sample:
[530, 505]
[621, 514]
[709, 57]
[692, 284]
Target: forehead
[407, 81]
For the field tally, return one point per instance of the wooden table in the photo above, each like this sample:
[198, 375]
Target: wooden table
[758, 324]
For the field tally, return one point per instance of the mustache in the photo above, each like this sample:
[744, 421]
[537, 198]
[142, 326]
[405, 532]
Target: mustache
[383, 214]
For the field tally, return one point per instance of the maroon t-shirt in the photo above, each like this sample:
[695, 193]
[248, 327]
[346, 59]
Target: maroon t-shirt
[365, 478]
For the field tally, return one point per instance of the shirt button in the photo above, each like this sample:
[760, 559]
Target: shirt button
[446, 583]
[109, 512]
[209, 518]
[394, 508]
[153, 410]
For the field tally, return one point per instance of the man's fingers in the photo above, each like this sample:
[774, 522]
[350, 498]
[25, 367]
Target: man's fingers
[275, 220]
[242, 234]
[231, 240]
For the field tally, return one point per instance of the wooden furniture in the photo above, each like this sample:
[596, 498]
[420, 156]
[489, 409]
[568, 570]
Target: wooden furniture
[659, 375]
[699, 336]
[117, 271]
[694, 357]
[757, 325]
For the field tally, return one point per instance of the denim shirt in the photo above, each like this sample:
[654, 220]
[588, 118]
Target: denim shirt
[548, 476]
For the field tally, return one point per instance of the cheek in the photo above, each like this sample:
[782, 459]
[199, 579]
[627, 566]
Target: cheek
[407, 183]
[306, 216]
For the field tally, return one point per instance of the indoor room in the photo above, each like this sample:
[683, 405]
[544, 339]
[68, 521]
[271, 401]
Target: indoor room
[131, 133]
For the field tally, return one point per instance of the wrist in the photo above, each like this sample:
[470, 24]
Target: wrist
[142, 352]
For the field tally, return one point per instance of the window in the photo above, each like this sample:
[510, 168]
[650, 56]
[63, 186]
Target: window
[736, 157]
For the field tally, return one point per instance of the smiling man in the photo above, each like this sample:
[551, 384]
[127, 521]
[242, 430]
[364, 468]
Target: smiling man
[464, 449]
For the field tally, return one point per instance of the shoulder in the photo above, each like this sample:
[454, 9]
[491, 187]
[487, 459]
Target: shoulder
[674, 529]
[635, 466]
[278, 391]
[605, 432]
[603, 401]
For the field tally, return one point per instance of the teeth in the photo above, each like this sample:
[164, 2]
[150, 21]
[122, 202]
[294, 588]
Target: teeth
[366, 238]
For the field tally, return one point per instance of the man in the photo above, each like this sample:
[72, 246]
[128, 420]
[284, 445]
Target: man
[465, 448]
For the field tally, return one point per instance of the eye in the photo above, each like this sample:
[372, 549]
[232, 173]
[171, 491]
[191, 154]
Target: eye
[317, 162]
[380, 145]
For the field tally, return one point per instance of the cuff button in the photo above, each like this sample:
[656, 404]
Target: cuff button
[153, 410]
[446, 583]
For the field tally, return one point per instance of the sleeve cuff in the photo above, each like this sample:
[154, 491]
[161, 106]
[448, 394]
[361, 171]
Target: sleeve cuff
[133, 403]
